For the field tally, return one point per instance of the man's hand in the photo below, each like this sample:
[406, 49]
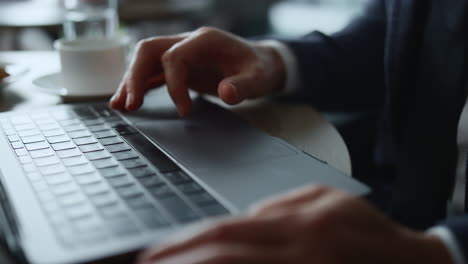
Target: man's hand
[206, 60]
[314, 225]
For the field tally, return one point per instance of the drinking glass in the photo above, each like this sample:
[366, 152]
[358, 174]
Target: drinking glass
[90, 19]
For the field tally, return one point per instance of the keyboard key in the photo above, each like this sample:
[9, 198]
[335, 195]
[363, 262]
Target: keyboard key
[190, 188]
[74, 128]
[20, 119]
[53, 169]
[142, 172]
[84, 113]
[120, 181]
[91, 178]
[10, 132]
[40, 115]
[49, 126]
[70, 122]
[34, 176]
[202, 198]
[28, 133]
[104, 199]
[110, 140]
[72, 199]
[178, 177]
[40, 185]
[52, 207]
[27, 126]
[125, 155]
[63, 146]
[125, 130]
[25, 159]
[15, 138]
[58, 139]
[96, 188]
[128, 191]
[123, 227]
[214, 210]
[161, 191]
[151, 218]
[151, 181]
[98, 128]
[29, 168]
[133, 163]
[105, 134]
[81, 169]
[79, 134]
[58, 179]
[97, 155]
[80, 160]
[37, 146]
[17, 145]
[152, 153]
[63, 154]
[91, 148]
[64, 189]
[61, 115]
[118, 147]
[42, 153]
[139, 202]
[113, 211]
[92, 122]
[53, 133]
[179, 209]
[85, 141]
[79, 211]
[105, 163]
[21, 152]
[90, 224]
[112, 172]
[52, 160]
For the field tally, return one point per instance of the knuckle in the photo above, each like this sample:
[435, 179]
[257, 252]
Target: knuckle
[168, 57]
[220, 232]
[207, 30]
[143, 44]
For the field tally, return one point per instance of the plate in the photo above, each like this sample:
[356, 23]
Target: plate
[15, 71]
[53, 84]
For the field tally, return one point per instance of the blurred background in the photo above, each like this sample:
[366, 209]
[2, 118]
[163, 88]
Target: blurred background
[35, 24]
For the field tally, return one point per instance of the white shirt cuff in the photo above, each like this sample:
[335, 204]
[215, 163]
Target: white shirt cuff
[290, 62]
[447, 237]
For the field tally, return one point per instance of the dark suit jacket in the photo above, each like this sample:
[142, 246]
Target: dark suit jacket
[405, 60]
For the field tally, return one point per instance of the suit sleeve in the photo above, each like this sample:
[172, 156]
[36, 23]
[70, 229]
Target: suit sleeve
[344, 71]
[459, 228]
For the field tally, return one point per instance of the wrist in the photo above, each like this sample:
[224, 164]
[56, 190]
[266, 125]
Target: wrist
[274, 65]
[425, 248]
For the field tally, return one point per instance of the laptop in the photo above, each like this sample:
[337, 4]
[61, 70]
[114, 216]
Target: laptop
[82, 183]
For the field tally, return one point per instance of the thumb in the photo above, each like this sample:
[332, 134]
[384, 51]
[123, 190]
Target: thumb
[235, 89]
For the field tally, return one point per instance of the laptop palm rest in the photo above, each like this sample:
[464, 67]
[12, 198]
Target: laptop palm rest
[202, 145]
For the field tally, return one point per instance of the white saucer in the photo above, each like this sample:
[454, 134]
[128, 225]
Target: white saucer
[53, 84]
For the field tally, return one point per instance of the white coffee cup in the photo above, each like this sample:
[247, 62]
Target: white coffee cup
[92, 67]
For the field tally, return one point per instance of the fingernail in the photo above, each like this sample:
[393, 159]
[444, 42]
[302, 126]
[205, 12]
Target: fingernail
[235, 93]
[130, 101]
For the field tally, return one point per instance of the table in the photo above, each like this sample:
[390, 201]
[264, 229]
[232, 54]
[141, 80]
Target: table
[300, 125]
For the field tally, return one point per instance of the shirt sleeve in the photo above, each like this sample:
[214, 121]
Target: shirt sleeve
[447, 237]
[290, 63]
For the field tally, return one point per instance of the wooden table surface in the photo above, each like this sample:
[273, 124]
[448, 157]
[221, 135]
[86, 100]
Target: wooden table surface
[300, 125]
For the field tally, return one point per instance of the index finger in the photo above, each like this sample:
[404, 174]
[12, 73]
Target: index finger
[146, 65]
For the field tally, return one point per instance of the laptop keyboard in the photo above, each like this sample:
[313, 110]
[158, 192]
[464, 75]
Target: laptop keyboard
[98, 178]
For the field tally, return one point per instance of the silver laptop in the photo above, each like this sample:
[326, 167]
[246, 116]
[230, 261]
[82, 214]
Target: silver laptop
[82, 183]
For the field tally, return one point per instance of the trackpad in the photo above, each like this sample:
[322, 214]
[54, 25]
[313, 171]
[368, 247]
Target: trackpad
[213, 144]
